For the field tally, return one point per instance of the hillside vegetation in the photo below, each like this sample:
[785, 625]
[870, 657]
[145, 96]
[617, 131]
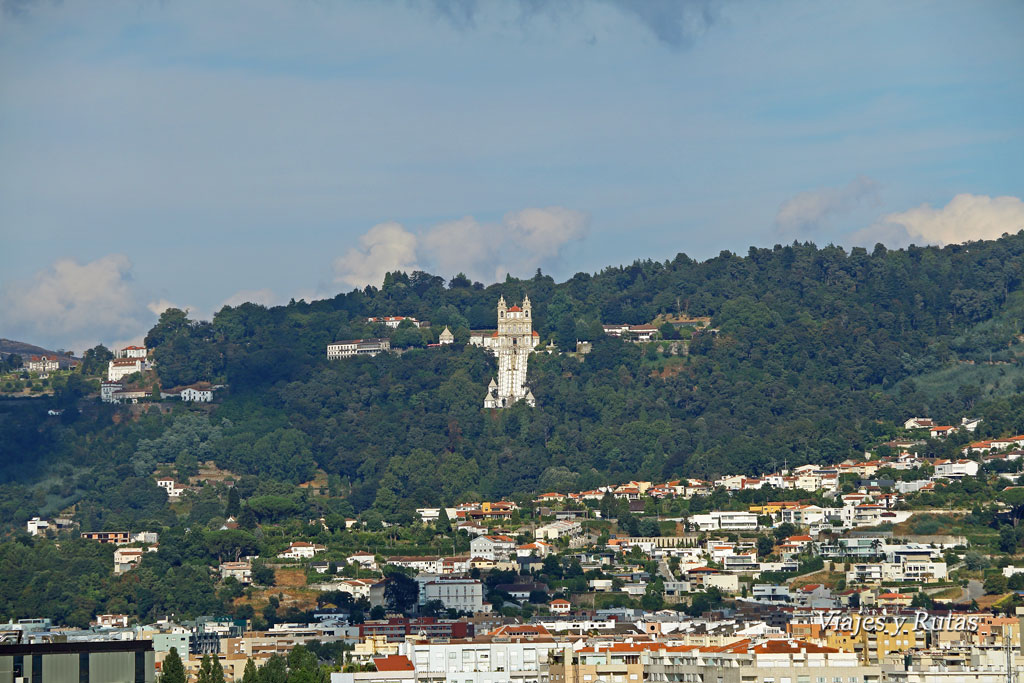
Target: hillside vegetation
[819, 352]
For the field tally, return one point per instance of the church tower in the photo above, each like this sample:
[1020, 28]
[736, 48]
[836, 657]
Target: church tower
[512, 344]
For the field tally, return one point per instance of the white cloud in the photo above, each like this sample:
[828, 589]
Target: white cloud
[810, 211]
[385, 247]
[160, 305]
[266, 297]
[541, 233]
[520, 243]
[74, 305]
[966, 217]
[464, 245]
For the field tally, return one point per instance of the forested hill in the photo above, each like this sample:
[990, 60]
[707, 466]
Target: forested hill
[819, 351]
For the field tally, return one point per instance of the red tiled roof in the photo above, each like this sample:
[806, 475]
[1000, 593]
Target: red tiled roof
[393, 663]
[514, 308]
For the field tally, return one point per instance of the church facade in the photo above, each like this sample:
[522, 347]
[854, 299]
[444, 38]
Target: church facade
[512, 344]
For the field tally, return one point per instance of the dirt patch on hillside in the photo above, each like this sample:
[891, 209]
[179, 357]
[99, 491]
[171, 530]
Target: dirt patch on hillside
[291, 590]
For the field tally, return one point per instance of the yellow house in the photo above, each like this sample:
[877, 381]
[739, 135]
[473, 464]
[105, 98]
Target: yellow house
[874, 636]
[774, 508]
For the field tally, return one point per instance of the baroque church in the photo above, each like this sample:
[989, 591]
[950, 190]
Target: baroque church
[512, 343]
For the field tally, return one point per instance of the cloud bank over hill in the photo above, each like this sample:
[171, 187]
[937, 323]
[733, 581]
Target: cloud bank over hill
[518, 244]
[967, 217]
[809, 212]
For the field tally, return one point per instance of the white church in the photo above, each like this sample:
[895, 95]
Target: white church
[512, 343]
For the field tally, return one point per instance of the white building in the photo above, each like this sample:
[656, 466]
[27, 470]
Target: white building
[108, 389]
[120, 368]
[301, 550]
[465, 595]
[126, 559]
[394, 321]
[37, 526]
[497, 660]
[201, 392]
[240, 571]
[956, 469]
[804, 515]
[725, 521]
[132, 352]
[446, 336]
[556, 530]
[365, 560]
[42, 364]
[357, 347]
[173, 488]
[495, 548]
[513, 344]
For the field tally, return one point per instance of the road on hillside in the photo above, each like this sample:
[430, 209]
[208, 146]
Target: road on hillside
[975, 589]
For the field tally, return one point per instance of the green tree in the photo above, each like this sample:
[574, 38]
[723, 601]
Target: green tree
[401, 592]
[274, 671]
[249, 675]
[995, 584]
[444, 525]
[172, 670]
[234, 505]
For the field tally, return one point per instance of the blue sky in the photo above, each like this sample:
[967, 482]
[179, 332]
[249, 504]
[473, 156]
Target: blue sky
[195, 153]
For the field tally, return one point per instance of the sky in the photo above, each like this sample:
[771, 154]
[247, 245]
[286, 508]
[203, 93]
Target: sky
[158, 153]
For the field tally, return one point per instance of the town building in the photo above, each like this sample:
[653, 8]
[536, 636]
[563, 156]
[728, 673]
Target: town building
[464, 595]
[358, 347]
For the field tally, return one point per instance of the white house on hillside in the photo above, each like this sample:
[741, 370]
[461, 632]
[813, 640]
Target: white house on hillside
[492, 547]
[200, 392]
[300, 550]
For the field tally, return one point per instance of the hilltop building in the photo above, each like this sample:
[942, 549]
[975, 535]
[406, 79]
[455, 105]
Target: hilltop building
[512, 344]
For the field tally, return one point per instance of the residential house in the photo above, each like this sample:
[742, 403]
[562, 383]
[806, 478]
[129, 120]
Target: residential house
[37, 526]
[725, 521]
[115, 537]
[42, 364]
[108, 389]
[301, 550]
[956, 469]
[364, 560]
[394, 321]
[200, 392]
[496, 548]
[173, 489]
[559, 529]
[132, 352]
[126, 559]
[239, 571]
[560, 606]
[119, 368]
